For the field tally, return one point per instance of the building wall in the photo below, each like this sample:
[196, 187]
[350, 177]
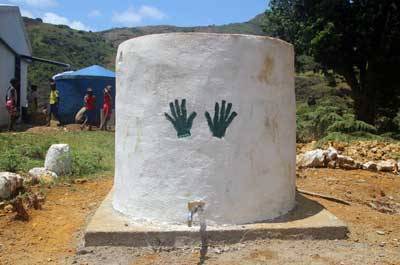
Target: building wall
[7, 62]
[245, 175]
[12, 31]
[24, 84]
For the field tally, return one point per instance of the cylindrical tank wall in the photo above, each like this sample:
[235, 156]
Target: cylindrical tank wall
[207, 117]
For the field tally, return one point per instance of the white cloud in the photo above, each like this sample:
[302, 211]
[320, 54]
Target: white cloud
[79, 25]
[37, 3]
[131, 16]
[94, 13]
[127, 17]
[26, 13]
[151, 12]
[53, 18]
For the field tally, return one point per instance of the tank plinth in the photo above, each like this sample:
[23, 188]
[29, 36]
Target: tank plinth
[309, 220]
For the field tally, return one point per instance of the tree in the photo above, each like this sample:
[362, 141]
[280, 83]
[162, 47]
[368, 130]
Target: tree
[358, 39]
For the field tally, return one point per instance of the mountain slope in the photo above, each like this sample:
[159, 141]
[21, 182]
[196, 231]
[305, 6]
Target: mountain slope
[81, 48]
[60, 43]
[118, 35]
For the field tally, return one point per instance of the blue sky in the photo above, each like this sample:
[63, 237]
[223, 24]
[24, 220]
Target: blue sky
[98, 15]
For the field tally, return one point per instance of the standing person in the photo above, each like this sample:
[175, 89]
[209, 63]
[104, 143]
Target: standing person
[90, 103]
[11, 103]
[33, 99]
[53, 100]
[107, 106]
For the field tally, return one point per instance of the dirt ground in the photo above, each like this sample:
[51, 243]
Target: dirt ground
[53, 128]
[54, 234]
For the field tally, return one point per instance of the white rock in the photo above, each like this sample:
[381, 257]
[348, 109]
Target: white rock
[332, 154]
[332, 164]
[346, 162]
[246, 175]
[299, 158]
[9, 184]
[42, 174]
[59, 159]
[314, 158]
[358, 164]
[386, 166]
[398, 167]
[370, 165]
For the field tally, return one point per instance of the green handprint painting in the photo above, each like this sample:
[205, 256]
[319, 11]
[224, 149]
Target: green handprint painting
[222, 119]
[181, 122]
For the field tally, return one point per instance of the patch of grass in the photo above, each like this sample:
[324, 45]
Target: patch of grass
[350, 137]
[84, 164]
[11, 160]
[92, 152]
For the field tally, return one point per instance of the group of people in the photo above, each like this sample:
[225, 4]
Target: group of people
[86, 116]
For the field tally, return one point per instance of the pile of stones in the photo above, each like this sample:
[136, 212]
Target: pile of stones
[331, 158]
[58, 163]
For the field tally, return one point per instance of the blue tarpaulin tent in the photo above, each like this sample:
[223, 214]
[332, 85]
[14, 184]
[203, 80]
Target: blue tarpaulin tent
[72, 88]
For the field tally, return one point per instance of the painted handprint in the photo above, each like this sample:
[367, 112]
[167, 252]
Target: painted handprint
[179, 119]
[222, 119]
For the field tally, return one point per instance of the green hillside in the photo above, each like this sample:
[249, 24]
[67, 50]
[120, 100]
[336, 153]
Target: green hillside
[61, 43]
[118, 35]
[331, 116]
[81, 48]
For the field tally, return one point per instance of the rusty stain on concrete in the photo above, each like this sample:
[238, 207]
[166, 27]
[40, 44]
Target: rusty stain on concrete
[138, 134]
[266, 70]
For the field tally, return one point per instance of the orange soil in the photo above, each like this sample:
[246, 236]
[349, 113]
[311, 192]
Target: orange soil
[360, 187]
[51, 233]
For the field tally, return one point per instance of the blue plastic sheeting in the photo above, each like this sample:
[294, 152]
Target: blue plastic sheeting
[88, 72]
[72, 90]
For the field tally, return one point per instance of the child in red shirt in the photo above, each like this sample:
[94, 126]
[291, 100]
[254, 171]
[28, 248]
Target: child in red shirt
[90, 105]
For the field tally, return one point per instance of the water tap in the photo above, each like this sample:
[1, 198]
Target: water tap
[194, 207]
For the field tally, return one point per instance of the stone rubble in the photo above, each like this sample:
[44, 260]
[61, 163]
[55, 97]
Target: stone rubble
[332, 154]
[359, 150]
[387, 166]
[370, 166]
[10, 184]
[41, 174]
[331, 158]
[314, 158]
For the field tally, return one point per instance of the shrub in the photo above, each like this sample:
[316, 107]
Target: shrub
[348, 124]
[316, 122]
[396, 120]
[11, 160]
[86, 163]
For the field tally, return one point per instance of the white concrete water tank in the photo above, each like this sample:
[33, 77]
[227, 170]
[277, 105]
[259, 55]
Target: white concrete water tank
[207, 117]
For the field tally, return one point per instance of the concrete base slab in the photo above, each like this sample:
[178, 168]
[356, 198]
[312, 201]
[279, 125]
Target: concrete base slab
[309, 220]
